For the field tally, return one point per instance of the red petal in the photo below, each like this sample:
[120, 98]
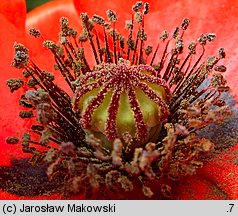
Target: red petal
[120, 7]
[198, 188]
[218, 179]
[223, 171]
[46, 18]
[14, 11]
[50, 14]
[11, 124]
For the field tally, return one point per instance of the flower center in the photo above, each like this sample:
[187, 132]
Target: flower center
[118, 99]
[157, 99]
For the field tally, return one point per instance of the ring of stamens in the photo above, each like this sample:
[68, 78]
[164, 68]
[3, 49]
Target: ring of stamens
[177, 152]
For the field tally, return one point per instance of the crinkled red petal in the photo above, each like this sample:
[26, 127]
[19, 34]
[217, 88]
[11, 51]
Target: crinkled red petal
[198, 188]
[46, 18]
[10, 123]
[223, 171]
[120, 7]
[15, 12]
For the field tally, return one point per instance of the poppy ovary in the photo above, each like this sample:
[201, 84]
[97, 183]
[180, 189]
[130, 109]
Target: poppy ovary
[118, 99]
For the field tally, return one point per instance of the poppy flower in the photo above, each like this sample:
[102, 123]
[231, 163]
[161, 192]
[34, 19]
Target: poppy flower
[217, 179]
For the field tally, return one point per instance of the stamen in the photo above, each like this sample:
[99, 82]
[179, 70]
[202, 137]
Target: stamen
[12, 140]
[84, 17]
[130, 42]
[108, 54]
[15, 84]
[34, 32]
